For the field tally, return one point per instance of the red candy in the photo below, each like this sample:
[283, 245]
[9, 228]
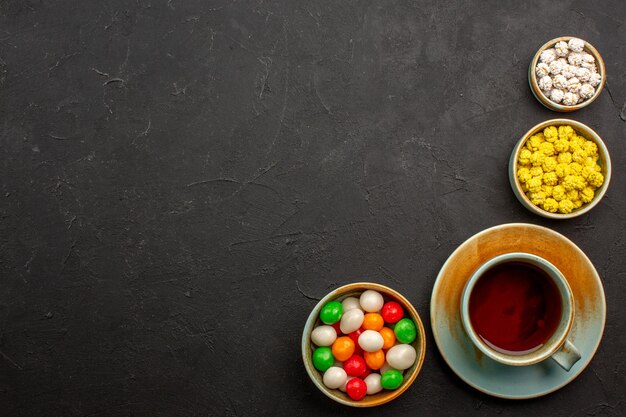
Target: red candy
[354, 365]
[356, 389]
[355, 335]
[366, 373]
[392, 312]
[337, 328]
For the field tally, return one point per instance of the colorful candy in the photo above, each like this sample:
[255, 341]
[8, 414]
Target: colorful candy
[371, 341]
[343, 348]
[351, 320]
[391, 379]
[373, 384]
[373, 321]
[331, 312]
[323, 358]
[357, 350]
[356, 388]
[323, 335]
[388, 336]
[401, 357]
[354, 365]
[335, 377]
[405, 331]
[392, 312]
[350, 303]
[371, 301]
[375, 360]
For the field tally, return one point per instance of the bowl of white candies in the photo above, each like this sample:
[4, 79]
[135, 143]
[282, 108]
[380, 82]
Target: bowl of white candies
[363, 344]
[566, 74]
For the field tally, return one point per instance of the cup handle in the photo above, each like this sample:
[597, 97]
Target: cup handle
[567, 355]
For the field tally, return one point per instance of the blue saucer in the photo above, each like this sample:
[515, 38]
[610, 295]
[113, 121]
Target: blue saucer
[469, 363]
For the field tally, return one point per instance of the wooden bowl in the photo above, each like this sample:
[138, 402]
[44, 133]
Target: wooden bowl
[581, 129]
[355, 290]
[543, 99]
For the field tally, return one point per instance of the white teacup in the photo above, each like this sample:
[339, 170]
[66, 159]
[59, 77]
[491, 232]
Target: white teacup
[556, 347]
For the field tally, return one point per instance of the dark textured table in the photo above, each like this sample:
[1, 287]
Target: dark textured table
[182, 180]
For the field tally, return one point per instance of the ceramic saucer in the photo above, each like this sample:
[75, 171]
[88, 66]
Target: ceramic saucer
[467, 361]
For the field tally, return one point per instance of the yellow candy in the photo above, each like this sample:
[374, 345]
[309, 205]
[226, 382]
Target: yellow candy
[536, 171]
[549, 164]
[586, 195]
[564, 158]
[537, 198]
[565, 132]
[550, 133]
[547, 148]
[523, 174]
[595, 178]
[550, 205]
[534, 184]
[558, 192]
[550, 178]
[559, 170]
[566, 206]
[524, 156]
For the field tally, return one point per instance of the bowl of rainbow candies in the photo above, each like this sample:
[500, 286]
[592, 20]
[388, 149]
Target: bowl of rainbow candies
[363, 344]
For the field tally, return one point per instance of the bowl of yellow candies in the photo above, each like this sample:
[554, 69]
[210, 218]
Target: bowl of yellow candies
[560, 169]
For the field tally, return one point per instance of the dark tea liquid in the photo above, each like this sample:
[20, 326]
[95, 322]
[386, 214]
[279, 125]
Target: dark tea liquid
[515, 308]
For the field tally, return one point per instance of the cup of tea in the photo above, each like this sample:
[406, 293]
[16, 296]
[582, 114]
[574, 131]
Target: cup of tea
[518, 308]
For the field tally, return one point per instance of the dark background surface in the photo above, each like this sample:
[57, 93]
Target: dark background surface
[182, 180]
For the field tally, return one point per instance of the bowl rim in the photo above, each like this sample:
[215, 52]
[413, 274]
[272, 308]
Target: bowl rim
[589, 134]
[538, 93]
[356, 287]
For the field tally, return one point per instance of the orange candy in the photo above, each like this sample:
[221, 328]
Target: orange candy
[374, 360]
[388, 336]
[373, 321]
[343, 348]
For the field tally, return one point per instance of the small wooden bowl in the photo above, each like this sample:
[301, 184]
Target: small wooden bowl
[587, 133]
[355, 290]
[543, 99]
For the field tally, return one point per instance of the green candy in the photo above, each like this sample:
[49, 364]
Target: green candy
[331, 313]
[405, 331]
[391, 379]
[323, 358]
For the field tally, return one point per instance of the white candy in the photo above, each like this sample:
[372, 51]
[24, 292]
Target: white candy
[569, 71]
[401, 357]
[588, 58]
[371, 301]
[583, 74]
[343, 387]
[570, 99]
[576, 45]
[385, 367]
[371, 341]
[351, 320]
[575, 59]
[588, 61]
[542, 69]
[323, 335]
[545, 83]
[561, 49]
[350, 303]
[595, 79]
[573, 84]
[556, 95]
[547, 56]
[586, 91]
[335, 377]
[556, 67]
[560, 82]
[372, 382]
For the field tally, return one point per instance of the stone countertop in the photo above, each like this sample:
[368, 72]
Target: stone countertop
[182, 180]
